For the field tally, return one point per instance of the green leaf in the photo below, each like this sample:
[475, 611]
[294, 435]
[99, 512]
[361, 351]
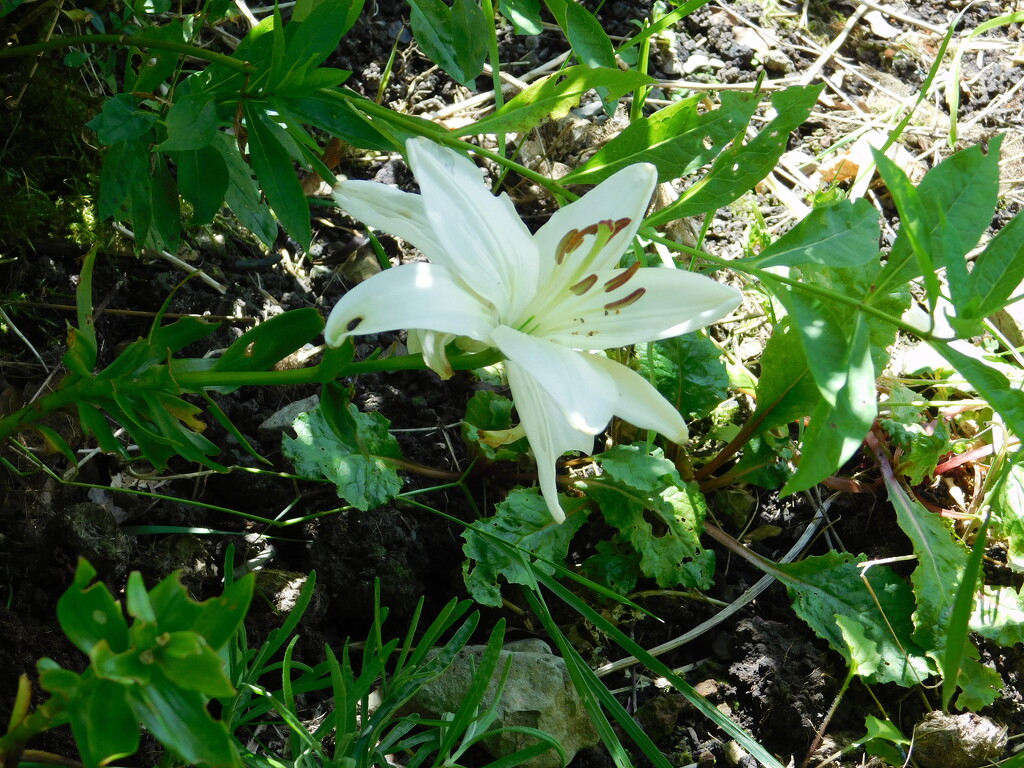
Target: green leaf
[487, 427]
[453, 38]
[164, 232]
[358, 461]
[616, 569]
[738, 168]
[998, 270]
[844, 234]
[273, 168]
[103, 724]
[179, 720]
[267, 344]
[688, 370]
[89, 614]
[823, 587]
[122, 163]
[554, 96]
[587, 38]
[957, 199]
[122, 119]
[638, 489]
[203, 181]
[678, 139]
[1007, 502]
[315, 30]
[786, 390]
[189, 662]
[524, 15]
[191, 123]
[243, 195]
[999, 615]
[341, 119]
[523, 521]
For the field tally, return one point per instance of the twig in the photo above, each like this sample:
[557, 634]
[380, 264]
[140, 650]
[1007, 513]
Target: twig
[765, 581]
[815, 68]
[167, 256]
[20, 335]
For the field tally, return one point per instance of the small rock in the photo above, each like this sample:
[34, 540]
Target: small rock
[274, 425]
[957, 741]
[777, 62]
[89, 530]
[538, 693]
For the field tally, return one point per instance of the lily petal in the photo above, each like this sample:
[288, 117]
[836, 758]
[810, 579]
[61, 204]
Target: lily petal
[654, 303]
[585, 397]
[432, 346]
[640, 403]
[623, 195]
[390, 210]
[484, 239]
[420, 295]
[547, 431]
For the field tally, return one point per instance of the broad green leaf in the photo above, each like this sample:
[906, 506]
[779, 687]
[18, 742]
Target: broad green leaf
[243, 195]
[637, 487]
[137, 599]
[739, 167]
[155, 66]
[786, 390]
[358, 462]
[958, 197]
[844, 234]
[202, 180]
[615, 566]
[104, 726]
[999, 615]
[523, 521]
[121, 164]
[864, 658]
[587, 37]
[273, 168]
[340, 118]
[190, 663]
[454, 38]
[122, 119]
[678, 139]
[980, 685]
[998, 270]
[554, 96]
[688, 370]
[524, 15]
[89, 614]
[191, 123]
[1008, 512]
[165, 227]
[179, 720]
[838, 429]
[822, 587]
[313, 34]
[268, 343]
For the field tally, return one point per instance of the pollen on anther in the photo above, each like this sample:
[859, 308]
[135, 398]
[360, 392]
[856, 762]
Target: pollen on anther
[619, 224]
[626, 300]
[584, 285]
[622, 278]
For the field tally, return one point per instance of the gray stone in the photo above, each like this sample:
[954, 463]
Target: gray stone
[538, 694]
[277, 423]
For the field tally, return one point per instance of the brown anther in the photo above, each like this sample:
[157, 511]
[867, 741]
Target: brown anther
[622, 278]
[590, 230]
[584, 285]
[569, 242]
[627, 300]
[619, 224]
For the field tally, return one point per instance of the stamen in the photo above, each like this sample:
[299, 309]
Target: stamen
[627, 300]
[584, 285]
[622, 278]
[572, 240]
[618, 225]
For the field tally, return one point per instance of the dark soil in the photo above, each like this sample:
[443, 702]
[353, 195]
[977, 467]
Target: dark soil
[764, 666]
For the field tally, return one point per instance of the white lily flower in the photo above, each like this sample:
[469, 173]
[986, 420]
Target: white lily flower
[545, 300]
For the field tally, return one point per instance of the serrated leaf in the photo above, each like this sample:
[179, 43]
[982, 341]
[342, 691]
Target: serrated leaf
[688, 370]
[844, 234]
[741, 166]
[822, 587]
[618, 570]
[357, 463]
[273, 167]
[522, 520]
[678, 139]
[637, 487]
[454, 38]
[122, 119]
[554, 96]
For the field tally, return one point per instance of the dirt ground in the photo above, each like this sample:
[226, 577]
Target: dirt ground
[764, 665]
